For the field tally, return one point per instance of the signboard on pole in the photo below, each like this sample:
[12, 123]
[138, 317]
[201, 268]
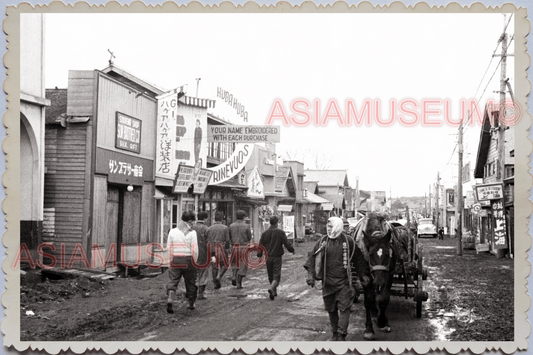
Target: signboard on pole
[288, 226]
[191, 175]
[486, 192]
[500, 227]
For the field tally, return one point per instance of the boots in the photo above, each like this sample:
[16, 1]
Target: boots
[239, 281]
[234, 278]
[201, 290]
[334, 337]
[272, 290]
[169, 301]
[341, 337]
[191, 304]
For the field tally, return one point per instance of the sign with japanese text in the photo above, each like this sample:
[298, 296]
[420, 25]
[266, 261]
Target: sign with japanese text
[181, 134]
[128, 133]
[166, 123]
[288, 226]
[255, 184]
[191, 175]
[123, 168]
[500, 227]
[243, 134]
[487, 192]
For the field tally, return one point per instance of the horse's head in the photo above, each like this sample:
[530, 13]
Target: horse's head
[379, 257]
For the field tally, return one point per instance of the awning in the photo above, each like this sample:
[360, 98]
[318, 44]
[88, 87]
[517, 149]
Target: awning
[162, 192]
[252, 201]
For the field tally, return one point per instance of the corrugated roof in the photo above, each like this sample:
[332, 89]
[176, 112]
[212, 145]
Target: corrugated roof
[327, 177]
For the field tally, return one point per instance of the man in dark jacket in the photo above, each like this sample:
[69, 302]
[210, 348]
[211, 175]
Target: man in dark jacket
[218, 238]
[273, 239]
[202, 264]
[240, 234]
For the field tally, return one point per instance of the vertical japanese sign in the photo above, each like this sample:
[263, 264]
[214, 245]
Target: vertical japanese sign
[166, 134]
[288, 226]
[500, 227]
[255, 184]
[181, 134]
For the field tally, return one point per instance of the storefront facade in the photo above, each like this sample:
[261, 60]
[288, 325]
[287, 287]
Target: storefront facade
[100, 170]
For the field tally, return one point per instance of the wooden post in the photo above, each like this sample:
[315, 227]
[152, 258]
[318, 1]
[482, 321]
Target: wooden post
[459, 211]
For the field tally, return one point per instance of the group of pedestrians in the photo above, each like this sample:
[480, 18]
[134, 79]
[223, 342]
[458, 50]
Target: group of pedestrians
[330, 261]
[195, 249]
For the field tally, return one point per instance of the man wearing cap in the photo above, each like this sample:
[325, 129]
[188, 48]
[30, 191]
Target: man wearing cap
[240, 235]
[273, 239]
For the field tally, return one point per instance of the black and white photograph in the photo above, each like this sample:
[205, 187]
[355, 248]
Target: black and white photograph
[305, 178]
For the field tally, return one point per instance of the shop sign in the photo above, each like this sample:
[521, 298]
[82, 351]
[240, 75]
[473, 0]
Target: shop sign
[255, 185]
[191, 175]
[485, 192]
[233, 166]
[469, 201]
[500, 229]
[288, 226]
[483, 213]
[181, 134]
[243, 134]
[123, 168]
[284, 208]
[128, 133]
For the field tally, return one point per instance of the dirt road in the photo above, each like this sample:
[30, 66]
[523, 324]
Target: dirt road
[133, 309]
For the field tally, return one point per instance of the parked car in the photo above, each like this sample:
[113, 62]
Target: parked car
[426, 228]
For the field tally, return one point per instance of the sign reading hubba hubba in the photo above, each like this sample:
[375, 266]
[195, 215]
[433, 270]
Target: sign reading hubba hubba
[244, 137]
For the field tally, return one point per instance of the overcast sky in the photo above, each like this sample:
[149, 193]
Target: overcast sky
[260, 58]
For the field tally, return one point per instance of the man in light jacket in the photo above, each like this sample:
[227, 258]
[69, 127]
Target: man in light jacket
[182, 245]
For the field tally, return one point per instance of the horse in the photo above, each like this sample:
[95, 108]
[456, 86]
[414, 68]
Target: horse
[374, 236]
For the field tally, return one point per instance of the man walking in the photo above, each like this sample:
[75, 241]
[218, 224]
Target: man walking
[240, 235]
[219, 241]
[273, 239]
[330, 262]
[183, 248]
[202, 264]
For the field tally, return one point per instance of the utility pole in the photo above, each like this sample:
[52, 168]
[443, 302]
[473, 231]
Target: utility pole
[500, 174]
[459, 211]
[197, 85]
[444, 202]
[430, 211]
[437, 188]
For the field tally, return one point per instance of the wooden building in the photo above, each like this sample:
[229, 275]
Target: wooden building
[99, 157]
[33, 105]
[496, 213]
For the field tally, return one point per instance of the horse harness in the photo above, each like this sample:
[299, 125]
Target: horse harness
[381, 267]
